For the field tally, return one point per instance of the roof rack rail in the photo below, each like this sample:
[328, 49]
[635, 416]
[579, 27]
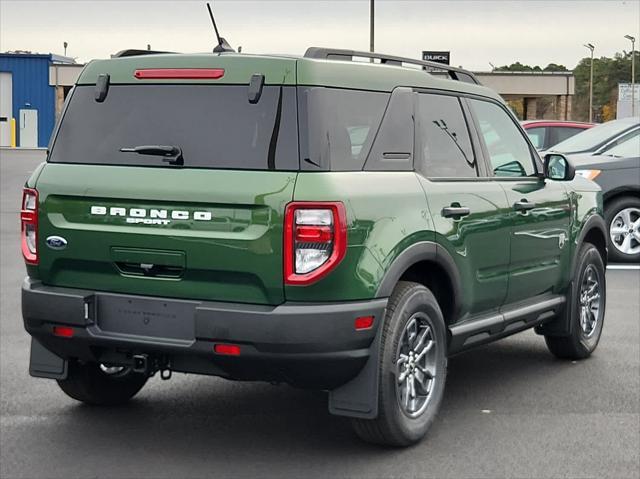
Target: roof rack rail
[132, 52]
[347, 55]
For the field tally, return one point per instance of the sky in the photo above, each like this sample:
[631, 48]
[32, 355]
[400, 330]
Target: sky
[477, 32]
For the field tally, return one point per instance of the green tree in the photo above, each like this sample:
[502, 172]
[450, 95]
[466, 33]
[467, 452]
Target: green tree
[519, 67]
[555, 67]
[607, 73]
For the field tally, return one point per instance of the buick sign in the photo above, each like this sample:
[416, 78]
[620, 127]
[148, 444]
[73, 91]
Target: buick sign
[437, 57]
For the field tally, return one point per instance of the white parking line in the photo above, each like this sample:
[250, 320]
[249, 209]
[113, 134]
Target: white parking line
[624, 266]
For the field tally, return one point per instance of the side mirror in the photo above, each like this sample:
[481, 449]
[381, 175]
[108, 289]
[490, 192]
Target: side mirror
[558, 167]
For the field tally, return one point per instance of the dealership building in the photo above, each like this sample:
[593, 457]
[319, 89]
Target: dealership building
[33, 87]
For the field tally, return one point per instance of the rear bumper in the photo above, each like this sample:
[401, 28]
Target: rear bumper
[306, 344]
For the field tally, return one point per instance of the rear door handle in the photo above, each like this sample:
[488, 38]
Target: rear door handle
[523, 205]
[455, 211]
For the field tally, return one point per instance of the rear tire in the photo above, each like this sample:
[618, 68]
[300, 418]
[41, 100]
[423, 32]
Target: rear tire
[92, 384]
[622, 215]
[412, 368]
[587, 303]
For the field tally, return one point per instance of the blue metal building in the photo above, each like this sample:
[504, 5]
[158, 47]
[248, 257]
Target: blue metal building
[25, 79]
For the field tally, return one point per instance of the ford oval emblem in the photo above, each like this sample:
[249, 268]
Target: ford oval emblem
[56, 242]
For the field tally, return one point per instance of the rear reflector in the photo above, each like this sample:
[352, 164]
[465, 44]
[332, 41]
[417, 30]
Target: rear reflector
[179, 73]
[364, 322]
[227, 349]
[63, 331]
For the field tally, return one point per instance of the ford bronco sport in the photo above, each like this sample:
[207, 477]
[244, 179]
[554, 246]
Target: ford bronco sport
[330, 223]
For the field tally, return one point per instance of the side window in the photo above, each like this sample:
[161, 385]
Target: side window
[508, 149]
[536, 135]
[625, 146]
[561, 133]
[443, 139]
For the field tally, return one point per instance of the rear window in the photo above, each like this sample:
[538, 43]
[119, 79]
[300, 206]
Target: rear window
[561, 133]
[214, 126]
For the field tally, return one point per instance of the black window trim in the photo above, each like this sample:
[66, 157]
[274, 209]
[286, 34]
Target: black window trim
[370, 162]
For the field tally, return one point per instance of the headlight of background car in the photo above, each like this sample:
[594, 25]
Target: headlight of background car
[588, 174]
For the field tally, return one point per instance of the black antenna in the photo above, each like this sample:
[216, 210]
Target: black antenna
[222, 45]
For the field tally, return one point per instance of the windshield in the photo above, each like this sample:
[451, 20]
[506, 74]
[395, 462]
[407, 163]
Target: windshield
[211, 126]
[628, 146]
[591, 139]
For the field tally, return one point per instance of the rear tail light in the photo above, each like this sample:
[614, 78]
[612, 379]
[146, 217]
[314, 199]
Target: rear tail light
[29, 225]
[315, 240]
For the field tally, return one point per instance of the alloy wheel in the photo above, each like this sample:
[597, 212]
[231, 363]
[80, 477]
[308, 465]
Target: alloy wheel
[415, 365]
[625, 231]
[590, 301]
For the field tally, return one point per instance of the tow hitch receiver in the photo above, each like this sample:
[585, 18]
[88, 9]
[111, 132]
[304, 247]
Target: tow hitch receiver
[141, 364]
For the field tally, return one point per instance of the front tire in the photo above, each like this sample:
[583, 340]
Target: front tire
[99, 385]
[412, 368]
[622, 216]
[587, 305]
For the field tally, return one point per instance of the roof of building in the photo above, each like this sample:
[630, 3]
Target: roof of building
[51, 56]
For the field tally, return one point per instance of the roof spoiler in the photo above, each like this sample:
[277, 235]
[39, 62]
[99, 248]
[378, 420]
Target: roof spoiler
[132, 52]
[347, 55]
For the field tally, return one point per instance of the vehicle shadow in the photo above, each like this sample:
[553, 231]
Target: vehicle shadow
[211, 413]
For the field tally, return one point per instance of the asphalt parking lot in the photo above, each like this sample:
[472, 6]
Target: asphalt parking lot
[510, 408]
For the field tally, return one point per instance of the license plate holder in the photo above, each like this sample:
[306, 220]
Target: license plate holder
[148, 317]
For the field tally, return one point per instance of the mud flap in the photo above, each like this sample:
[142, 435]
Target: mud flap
[561, 325]
[359, 397]
[44, 364]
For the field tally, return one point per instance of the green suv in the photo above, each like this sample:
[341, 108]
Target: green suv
[321, 221]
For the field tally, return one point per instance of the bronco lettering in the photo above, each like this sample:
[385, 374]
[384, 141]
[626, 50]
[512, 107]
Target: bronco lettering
[153, 216]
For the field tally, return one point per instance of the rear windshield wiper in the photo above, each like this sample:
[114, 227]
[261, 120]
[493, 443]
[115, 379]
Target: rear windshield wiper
[171, 154]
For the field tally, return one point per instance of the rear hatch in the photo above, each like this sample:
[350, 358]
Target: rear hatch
[206, 224]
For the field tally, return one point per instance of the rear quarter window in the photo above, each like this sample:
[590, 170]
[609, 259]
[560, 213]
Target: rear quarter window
[337, 127]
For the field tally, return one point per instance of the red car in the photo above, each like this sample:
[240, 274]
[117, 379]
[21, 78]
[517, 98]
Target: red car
[546, 133]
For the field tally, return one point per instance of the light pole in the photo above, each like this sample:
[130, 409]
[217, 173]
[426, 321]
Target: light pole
[591, 47]
[633, 73]
[371, 26]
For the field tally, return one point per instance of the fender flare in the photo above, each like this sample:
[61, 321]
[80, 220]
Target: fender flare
[594, 221]
[417, 252]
